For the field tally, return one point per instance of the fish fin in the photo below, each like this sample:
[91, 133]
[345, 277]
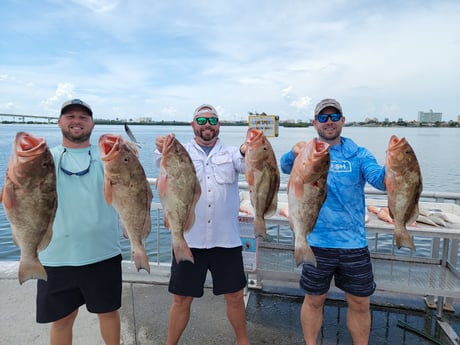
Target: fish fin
[250, 178]
[182, 251]
[7, 198]
[125, 232]
[140, 258]
[31, 269]
[304, 254]
[413, 215]
[402, 237]
[166, 222]
[46, 238]
[147, 225]
[162, 184]
[191, 217]
[272, 207]
[189, 221]
[299, 188]
[108, 192]
[259, 227]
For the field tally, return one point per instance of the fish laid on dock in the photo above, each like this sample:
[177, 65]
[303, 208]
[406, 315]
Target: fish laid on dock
[307, 189]
[403, 181]
[179, 190]
[29, 198]
[263, 178]
[127, 189]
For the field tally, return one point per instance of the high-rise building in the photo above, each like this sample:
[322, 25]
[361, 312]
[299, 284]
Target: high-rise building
[429, 116]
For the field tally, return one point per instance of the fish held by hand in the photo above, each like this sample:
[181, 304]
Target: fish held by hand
[403, 182]
[29, 198]
[307, 190]
[179, 190]
[263, 178]
[127, 189]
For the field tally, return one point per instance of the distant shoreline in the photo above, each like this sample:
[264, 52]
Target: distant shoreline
[451, 124]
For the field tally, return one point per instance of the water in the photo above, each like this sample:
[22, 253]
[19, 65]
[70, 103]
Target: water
[437, 151]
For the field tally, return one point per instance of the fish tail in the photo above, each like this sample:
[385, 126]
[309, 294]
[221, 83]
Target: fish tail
[259, 227]
[403, 238]
[32, 269]
[140, 259]
[304, 254]
[182, 251]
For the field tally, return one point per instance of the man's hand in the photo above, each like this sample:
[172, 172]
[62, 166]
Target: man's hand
[159, 142]
[298, 147]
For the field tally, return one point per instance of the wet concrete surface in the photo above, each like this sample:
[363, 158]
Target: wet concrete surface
[273, 316]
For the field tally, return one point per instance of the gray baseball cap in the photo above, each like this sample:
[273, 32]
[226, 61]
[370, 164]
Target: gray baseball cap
[78, 102]
[328, 102]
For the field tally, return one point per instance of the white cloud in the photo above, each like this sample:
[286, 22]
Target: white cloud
[383, 59]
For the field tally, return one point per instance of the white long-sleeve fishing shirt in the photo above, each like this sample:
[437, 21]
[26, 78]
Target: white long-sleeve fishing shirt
[216, 213]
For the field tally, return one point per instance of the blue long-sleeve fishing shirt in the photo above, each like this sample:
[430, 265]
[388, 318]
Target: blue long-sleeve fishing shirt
[341, 221]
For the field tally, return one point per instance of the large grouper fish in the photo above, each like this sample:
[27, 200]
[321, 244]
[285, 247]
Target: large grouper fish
[307, 191]
[179, 190]
[127, 189]
[403, 182]
[263, 178]
[29, 198]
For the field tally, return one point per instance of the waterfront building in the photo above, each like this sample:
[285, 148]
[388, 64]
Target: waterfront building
[429, 117]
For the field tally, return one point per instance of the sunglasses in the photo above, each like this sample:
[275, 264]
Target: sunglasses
[202, 120]
[70, 173]
[322, 118]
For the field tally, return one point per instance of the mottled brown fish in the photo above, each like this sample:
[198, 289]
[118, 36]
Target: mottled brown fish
[307, 190]
[403, 182]
[263, 178]
[30, 200]
[179, 190]
[126, 188]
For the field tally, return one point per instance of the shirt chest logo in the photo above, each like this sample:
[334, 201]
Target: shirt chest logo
[340, 166]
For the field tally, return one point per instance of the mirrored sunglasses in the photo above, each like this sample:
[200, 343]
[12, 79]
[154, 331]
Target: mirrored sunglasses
[202, 120]
[322, 118]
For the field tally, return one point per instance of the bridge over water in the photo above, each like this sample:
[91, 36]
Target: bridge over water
[22, 118]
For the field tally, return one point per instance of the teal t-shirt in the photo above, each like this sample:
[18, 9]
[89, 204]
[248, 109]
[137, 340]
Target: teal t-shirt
[85, 229]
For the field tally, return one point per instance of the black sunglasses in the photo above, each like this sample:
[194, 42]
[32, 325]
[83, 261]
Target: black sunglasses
[322, 118]
[202, 120]
[70, 173]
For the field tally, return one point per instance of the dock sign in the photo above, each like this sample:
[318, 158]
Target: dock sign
[269, 124]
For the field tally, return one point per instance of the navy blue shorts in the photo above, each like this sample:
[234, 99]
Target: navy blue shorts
[351, 269]
[97, 285]
[225, 265]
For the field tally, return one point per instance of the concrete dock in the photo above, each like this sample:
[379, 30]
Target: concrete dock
[273, 315]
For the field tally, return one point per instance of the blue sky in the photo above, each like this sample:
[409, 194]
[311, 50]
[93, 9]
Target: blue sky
[161, 59]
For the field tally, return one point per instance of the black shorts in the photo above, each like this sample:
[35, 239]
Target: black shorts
[225, 265]
[97, 285]
[351, 269]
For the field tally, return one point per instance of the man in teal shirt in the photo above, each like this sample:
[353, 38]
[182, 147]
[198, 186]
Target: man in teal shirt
[83, 259]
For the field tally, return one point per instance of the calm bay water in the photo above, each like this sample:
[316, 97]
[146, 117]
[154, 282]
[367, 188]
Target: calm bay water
[437, 149]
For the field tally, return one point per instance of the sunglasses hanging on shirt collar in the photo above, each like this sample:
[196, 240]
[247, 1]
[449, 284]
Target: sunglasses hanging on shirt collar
[78, 173]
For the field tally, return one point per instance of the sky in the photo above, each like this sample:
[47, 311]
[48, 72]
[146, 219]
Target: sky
[161, 59]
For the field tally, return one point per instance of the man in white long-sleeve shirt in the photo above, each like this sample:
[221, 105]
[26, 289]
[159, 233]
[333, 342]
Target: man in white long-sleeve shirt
[214, 239]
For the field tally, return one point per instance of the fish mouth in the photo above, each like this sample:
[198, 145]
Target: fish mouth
[109, 145]
[253, 135]
[27, 145]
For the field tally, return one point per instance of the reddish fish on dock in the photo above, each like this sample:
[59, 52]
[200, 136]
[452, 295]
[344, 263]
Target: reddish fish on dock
[179, 190]
[307, 190]
[126, 188]
[403, 182]
[263, 178]
[29, 198]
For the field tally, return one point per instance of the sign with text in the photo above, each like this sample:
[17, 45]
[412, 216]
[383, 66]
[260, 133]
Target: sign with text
[269, 124]
[249, 243]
